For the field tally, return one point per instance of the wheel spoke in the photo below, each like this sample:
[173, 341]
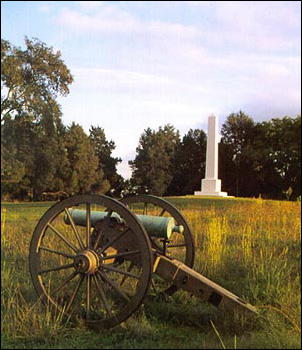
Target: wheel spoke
[58, 252]
[62, 237]
[62, 267]
[103, 296]
[75, 292]
[154, 286]
[88, 289]
[68, 279]
[128, 270]
[162, 212]
[79, 239]
[114, 285]
[109, 244]
[88, 226]
[114, 269]
[156, 245]
[145, 208]
[106, 221]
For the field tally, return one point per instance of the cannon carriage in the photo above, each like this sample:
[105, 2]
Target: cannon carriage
[96, 258]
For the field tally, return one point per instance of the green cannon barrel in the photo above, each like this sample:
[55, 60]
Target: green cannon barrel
[156, 226]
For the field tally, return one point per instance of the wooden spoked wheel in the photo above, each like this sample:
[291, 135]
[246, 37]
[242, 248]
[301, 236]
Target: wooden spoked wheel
[179, 246]
[100, 274]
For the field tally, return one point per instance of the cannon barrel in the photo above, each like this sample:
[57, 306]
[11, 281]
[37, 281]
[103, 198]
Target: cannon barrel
[156, 226]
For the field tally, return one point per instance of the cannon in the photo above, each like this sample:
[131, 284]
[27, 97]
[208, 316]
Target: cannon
[96, 258]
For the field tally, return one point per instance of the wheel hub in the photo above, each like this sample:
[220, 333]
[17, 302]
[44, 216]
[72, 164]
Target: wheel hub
[86, 262]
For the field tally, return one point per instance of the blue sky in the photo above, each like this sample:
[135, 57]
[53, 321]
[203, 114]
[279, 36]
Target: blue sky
[140, 64]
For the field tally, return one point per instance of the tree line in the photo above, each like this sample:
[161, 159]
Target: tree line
[255, 159]
[41, 156]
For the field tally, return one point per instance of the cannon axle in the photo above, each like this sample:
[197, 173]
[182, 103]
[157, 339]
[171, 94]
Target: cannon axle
[87, 262]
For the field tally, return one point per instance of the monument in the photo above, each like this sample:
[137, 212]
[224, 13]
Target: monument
[211, 185]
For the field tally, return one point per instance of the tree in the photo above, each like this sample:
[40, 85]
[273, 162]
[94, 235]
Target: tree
[236, 166]
[51, 163]
[189, 163]
[278, 157]
[17, 140]
[12, 170]
[31, 80]
[84, 170]
[154, 164]
[261, 158]
[107, 163]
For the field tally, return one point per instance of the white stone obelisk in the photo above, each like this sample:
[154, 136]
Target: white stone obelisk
[211, 185]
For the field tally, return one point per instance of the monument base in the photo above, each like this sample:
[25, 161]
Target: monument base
[211, 194]
[211, 188]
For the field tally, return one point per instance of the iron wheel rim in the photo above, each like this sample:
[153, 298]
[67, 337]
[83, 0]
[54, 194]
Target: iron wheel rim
[167, 207]
[101, 278]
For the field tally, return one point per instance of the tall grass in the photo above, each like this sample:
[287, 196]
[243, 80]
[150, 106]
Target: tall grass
[251, 247]
[254, 249]
[215, 242]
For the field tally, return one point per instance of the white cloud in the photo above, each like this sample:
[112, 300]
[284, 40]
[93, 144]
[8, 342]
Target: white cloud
[109, 19]
[90, 5]
[106, 20]
[119, 80]
[249, 26]
[44, 9]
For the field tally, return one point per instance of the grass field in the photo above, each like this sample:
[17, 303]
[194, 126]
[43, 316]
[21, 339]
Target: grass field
[251, 247]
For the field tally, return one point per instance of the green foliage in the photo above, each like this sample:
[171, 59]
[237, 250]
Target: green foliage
[107, 163]
[279, 155]
[189, 163]
[12, 170]
[84, 164]
[154, 164]
[38, 153]
[33, 78]
[255, 159]
[261, 158]
[235, 151]
[18, 135]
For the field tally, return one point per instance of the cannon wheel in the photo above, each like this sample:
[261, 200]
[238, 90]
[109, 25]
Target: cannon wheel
[180, 246]
[78, 276]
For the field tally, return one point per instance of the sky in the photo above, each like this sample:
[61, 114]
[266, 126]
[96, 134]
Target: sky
[140, 64]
